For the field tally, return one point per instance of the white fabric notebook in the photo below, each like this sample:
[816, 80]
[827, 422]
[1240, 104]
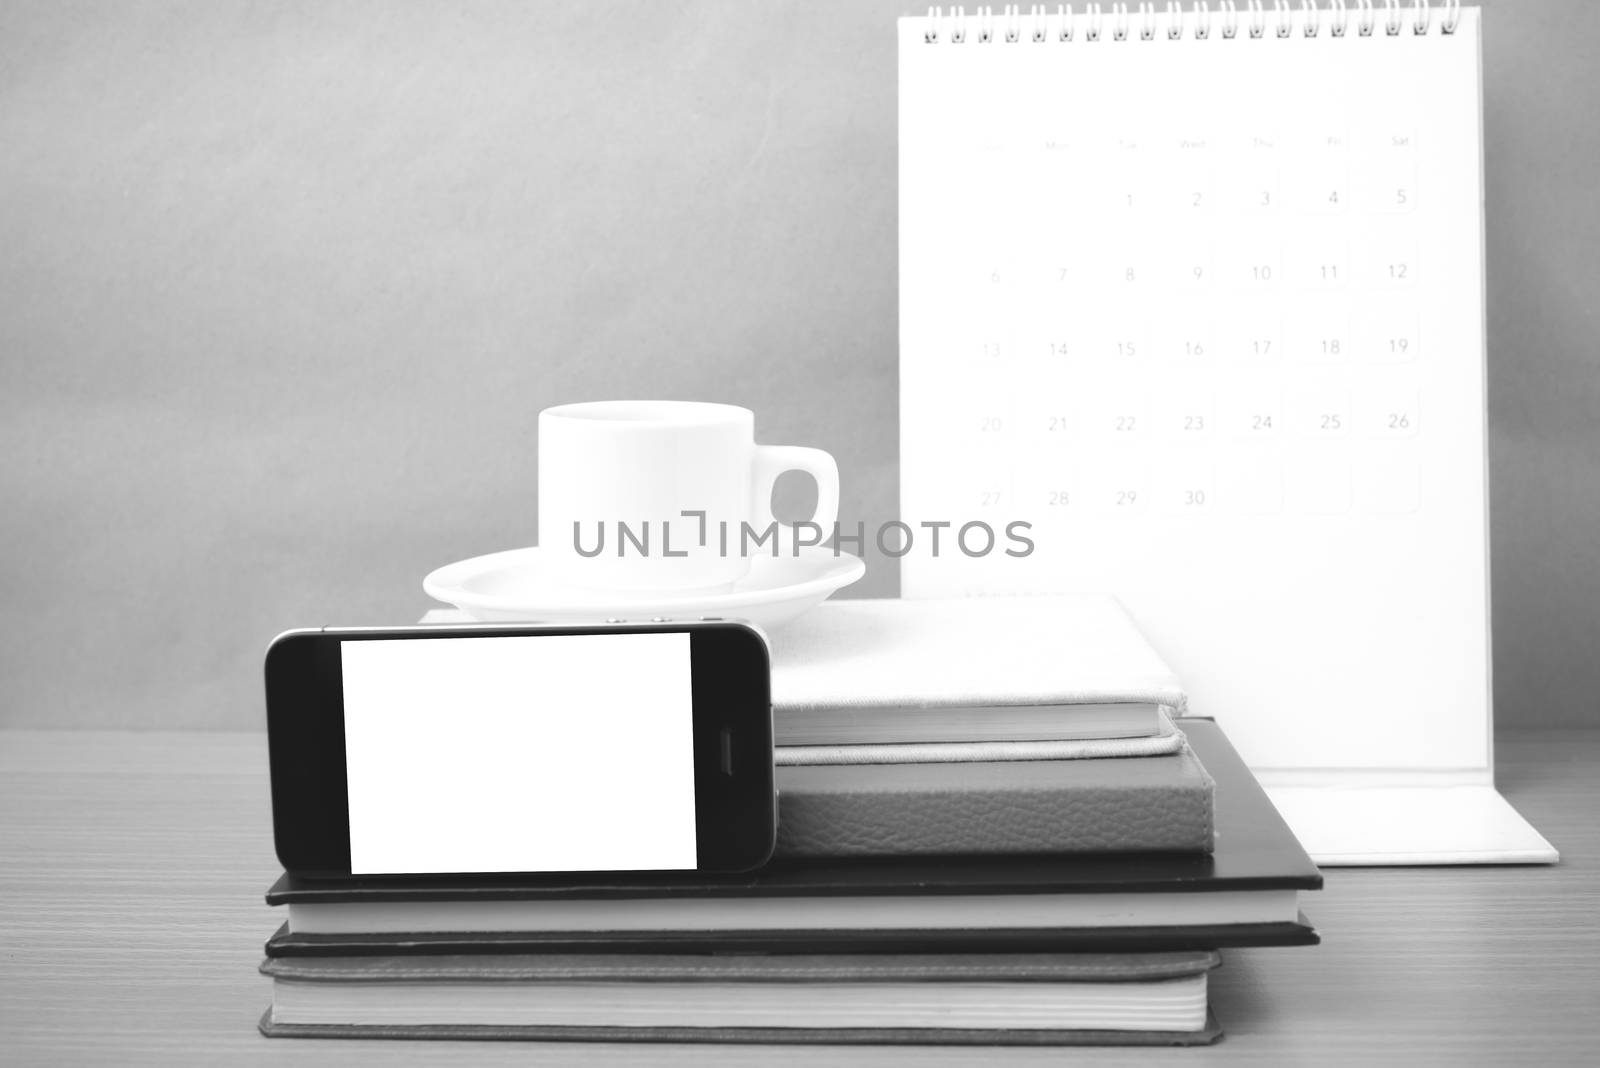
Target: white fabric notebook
[1198, 293]
[991, 679]
[963, 653]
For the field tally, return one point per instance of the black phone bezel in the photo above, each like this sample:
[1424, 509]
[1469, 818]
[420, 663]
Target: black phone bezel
[735, 801]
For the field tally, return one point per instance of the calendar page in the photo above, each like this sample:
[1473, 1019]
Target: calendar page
[1199, 298]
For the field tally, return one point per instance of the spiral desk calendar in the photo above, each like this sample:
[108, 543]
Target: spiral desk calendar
[1197, 291]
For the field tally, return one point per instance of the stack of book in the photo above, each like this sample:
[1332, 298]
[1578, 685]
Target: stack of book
[991, 831]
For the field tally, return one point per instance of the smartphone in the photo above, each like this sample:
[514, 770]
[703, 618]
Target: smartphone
[478, 749]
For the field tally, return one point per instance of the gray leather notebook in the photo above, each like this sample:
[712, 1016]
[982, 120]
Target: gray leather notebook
[988, 999]
[1112, 805]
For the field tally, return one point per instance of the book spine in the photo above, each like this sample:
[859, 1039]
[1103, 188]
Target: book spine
[820, 814]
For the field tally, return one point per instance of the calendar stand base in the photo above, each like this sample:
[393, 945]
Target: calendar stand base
[1352, 824]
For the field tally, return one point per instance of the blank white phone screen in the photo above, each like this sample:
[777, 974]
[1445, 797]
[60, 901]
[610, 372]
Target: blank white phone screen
[549, 753]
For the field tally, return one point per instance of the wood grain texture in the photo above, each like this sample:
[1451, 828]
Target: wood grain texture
[132, 868]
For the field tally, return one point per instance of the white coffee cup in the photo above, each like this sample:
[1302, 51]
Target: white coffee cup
[623, 485]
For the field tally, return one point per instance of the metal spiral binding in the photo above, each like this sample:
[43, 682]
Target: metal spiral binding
[1341, 17]
[1095, 20]
[1313, 21]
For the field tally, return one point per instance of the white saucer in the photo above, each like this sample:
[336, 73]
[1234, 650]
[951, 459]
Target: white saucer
[518, 586]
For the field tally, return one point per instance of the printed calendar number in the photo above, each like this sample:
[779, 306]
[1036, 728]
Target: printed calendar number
[1320, 264]
[1390, 411]
[1188, 187]
[1322, 175]
[1324, 194]
[1118, 412]
[1251, 337]
[1255, 267]
[1389, 172]
[1318, 330]
[1183, 265]
[1130, 270]
[1398, 346]
[1388, 333]
[983, 431]
[1391, 262]
[1326, 423]
[1185, 487]
[1183, 409]
[1250, 175]
[1251, 414]
[1255, 188]
[983, 345]
[1392, 189]
[1184, 332]
[1119, 339]
[1045, 487]
[1118, 490]
[1322, 411]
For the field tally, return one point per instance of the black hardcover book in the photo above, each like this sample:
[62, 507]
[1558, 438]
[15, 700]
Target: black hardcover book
[1244, 893]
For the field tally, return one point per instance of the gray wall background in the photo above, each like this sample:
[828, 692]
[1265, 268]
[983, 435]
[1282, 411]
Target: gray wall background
[283, 285]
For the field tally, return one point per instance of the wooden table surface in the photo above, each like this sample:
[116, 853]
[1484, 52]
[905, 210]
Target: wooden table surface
[132, 867]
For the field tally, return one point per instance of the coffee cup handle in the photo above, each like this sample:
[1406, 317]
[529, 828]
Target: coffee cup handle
[774, 460]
